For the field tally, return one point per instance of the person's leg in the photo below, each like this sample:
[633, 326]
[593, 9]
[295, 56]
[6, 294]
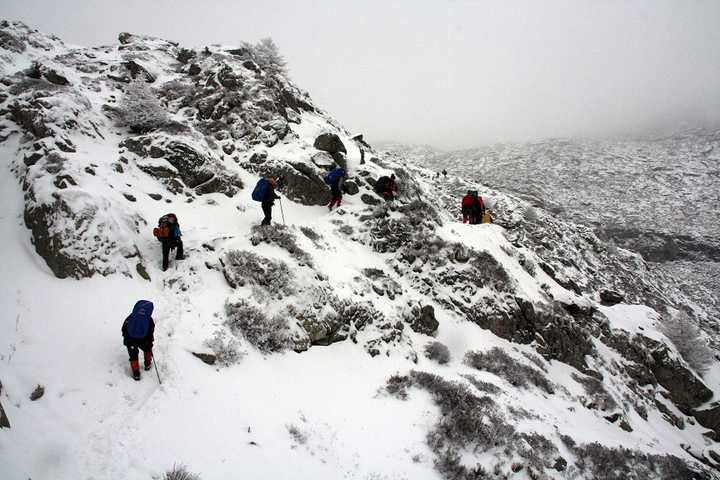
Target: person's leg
[165, 254]
[147, 356]
[267, 210]
[179, 254]
[134, 363]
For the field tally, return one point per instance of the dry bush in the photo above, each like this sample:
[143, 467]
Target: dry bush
[497, 362]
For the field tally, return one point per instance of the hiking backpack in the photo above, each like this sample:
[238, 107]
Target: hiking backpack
[334, 175]
[165, 226]
[138, 323]
[261, 189]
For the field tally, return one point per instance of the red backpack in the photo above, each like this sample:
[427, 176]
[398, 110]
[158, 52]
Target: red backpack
[164, 228]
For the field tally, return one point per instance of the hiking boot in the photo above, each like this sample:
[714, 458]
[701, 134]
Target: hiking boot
[148, 360]
[148, 366]
[135, 367]
[182, 257]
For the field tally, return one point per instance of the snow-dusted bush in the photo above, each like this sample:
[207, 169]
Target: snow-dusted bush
[140, 110]
[488, 272]
[226, 350]
[397, 385]
[297, 435]
[241, 268]
[486, 387]
[180, 472]
[438, 352]
[267, 55]
[310, 233]
[281, 236]
[595, 458]
[357, 314]
[268, 334]
[497, 362]
[689, 340]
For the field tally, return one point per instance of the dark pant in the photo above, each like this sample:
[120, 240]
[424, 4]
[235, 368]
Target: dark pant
[133, 351]
[267, 210]
[168, 245]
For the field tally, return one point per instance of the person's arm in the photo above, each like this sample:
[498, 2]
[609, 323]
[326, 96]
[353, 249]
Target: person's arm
[150, 338]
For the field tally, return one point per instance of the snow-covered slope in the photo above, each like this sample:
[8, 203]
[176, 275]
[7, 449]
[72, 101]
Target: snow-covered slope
[375, 341]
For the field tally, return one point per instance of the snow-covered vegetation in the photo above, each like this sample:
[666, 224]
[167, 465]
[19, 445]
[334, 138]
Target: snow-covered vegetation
[377, 341]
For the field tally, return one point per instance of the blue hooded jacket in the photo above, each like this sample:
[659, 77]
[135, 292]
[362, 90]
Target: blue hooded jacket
[139, 324]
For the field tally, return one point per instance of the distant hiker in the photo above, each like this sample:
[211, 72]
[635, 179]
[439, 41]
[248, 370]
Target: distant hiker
[335, 178]
[444, 172]
[138, 333]
[169, 234]
[264, 193]
[472, 207]
[386, 187]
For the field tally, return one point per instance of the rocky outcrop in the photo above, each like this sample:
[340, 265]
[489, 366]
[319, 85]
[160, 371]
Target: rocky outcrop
[194, 168]
[424, 320]
[305, 186]
[37, 393]
[4, 421]
[709, 418]
[687, 391]
[330, 142]
[207, 358]
[611, 297]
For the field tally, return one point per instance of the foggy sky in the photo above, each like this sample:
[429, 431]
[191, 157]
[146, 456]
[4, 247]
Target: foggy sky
[451, 73]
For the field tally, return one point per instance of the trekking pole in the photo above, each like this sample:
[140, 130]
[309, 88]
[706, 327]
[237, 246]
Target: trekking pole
[156, 370]
[282, 212]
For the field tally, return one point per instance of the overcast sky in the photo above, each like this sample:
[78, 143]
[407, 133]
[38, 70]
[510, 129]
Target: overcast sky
[451, 73]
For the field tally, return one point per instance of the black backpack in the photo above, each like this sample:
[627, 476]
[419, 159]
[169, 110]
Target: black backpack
[382, 184]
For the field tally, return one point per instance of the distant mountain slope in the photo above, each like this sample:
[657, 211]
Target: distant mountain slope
[376, 341]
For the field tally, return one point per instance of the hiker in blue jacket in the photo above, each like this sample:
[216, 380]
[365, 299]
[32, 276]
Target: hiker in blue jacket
[138, 333]
[336, 179]
[269, 200]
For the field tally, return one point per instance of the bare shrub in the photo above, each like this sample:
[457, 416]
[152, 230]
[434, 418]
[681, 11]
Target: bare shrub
[497, 362]
[267, 55]
[283, 237]
[357, 314]
[241, 267]
[488, 272]
[486, 387]
[180, 472]
[688, 339]
[620, 463]
[267, 334]
[311, 234]
[537, 360]
[438, 352]
[297, 435]
[139, 108]
[226, 350]
[397, 386]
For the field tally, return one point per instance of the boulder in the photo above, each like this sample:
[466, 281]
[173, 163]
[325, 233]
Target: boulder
[323, 160]
[351, 188]
[54, 77]
[329, 142]
[370, 199]
[709, 418]
[425, 321]
[298, 186]
[37, 393]
[194, 69]
[207, 358]
[611, 297]
[136, 70]
[687, 391]
[11, 43]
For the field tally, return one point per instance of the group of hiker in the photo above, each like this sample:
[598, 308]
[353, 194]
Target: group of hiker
[138, 328]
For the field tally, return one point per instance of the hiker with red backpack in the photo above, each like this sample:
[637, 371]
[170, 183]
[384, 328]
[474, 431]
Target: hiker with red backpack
[264, 192]
[335, 178]
[386, 187]
[472, 207]
[169, 234]
[138, 333]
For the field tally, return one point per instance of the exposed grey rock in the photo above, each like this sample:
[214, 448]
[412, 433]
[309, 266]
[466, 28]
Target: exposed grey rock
[207, 358]
[297, 186]
[369, 199]
[709, 418]
[330, 142]
[425, 321]
[351, 187]
[323, 160]
[53, 76]
[136, 70]
[687, 391]
[194, 69]
[611, 297]
[37, 393]
[31, 118]
[9, 42]
[4, 421]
